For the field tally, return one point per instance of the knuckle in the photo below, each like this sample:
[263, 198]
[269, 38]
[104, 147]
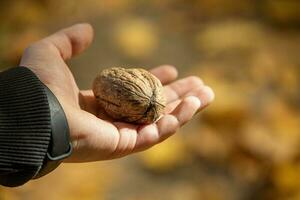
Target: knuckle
[175, 123]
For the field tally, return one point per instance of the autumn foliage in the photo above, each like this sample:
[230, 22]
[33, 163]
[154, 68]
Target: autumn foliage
[246, 145]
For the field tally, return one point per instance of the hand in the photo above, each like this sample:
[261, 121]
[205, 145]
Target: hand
[95, 138]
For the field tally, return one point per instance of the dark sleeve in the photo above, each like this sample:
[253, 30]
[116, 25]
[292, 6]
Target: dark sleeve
[34, 134]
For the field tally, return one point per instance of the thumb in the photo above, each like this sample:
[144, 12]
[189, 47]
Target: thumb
[71, 41]
[64, 43]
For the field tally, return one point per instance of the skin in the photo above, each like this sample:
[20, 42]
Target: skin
[93, 135]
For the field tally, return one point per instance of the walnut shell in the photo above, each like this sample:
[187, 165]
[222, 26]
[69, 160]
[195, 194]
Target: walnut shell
[130, 95]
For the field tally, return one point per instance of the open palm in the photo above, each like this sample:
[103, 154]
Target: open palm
[94, 136]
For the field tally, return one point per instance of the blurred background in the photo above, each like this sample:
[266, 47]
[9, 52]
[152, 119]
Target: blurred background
[246, 145]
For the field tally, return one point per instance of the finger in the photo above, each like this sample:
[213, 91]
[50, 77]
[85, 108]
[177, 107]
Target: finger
[178, 89]
[127, 138]
[71, 41]
[205, 94]
[186, 109]
[154, 133]
[165, 73]
[184, 112]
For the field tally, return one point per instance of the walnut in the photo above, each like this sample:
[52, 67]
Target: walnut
[130, 95]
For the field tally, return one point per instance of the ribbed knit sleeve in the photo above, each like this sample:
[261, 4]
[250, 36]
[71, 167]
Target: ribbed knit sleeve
[25, 126]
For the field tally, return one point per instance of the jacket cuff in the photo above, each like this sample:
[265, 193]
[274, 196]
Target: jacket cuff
[27, 127]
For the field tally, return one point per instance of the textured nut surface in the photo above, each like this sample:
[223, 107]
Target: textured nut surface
[131, 95]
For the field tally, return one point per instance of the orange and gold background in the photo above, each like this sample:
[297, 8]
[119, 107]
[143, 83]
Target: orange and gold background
[245, 146]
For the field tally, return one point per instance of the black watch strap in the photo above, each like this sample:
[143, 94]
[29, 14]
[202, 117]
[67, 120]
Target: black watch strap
[60, 146]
